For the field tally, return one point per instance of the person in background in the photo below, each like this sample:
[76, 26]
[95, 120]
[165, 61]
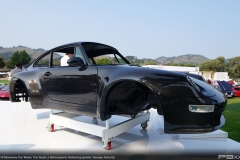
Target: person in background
[16, 69]
[209, 81]
[65, 58]
[235, 82]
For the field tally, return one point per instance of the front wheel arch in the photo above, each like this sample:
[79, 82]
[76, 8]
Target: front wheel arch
[129, 93]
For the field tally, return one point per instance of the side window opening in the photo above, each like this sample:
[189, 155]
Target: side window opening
[43, 62]
[58, 54]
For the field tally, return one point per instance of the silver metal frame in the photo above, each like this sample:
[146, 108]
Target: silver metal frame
[107, 133]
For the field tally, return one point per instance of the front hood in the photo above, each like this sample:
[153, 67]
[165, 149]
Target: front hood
[144, 72]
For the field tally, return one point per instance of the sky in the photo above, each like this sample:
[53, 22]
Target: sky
[142, 28]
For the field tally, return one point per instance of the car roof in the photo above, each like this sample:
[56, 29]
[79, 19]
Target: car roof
[88, 45]
[92, 49]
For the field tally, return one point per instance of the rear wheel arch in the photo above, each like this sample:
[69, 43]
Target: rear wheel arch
[18, 90]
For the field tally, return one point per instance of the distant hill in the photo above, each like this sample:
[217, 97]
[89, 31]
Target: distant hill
[188, 58]
[6, 53]
[144, 61]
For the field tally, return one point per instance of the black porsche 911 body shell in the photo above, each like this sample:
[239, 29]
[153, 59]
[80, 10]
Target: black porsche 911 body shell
[105, 90]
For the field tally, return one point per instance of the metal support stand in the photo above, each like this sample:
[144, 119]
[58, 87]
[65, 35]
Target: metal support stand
[107, 133]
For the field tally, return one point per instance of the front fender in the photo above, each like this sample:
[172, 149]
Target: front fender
[110, 75]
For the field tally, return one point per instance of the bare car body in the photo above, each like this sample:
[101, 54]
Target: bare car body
[100, 82]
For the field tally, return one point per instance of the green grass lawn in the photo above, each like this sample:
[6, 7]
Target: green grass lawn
[4, 81]
[232, 115]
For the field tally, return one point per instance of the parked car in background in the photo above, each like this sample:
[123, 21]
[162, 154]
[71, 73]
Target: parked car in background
[226, 88]
[236, 91]
[4, 93]
[100, 82]
[231, 82]
[2, 85]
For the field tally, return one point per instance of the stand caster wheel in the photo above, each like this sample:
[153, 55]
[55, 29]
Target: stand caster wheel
[51, 128]
[95, 121]
[144, 125]
[109, 146]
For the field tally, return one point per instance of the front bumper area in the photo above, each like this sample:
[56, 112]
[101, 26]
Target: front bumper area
[178, 119]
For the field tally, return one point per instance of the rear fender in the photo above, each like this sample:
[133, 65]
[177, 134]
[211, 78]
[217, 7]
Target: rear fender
[26, 89]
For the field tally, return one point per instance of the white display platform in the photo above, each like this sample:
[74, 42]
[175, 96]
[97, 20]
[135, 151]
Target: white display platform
[23, 129]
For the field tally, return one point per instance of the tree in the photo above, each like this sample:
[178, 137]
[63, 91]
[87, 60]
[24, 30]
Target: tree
[150, 63]
[2, 64]
[103, 61]
[233, 67]
[130, 58]
[8, 64]
[215, 65]
[137, 61]
[21, 57]
[206, 66]
[219, 64]
[189, 65]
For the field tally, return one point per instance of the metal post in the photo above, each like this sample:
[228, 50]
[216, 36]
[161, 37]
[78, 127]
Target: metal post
[107, 124]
